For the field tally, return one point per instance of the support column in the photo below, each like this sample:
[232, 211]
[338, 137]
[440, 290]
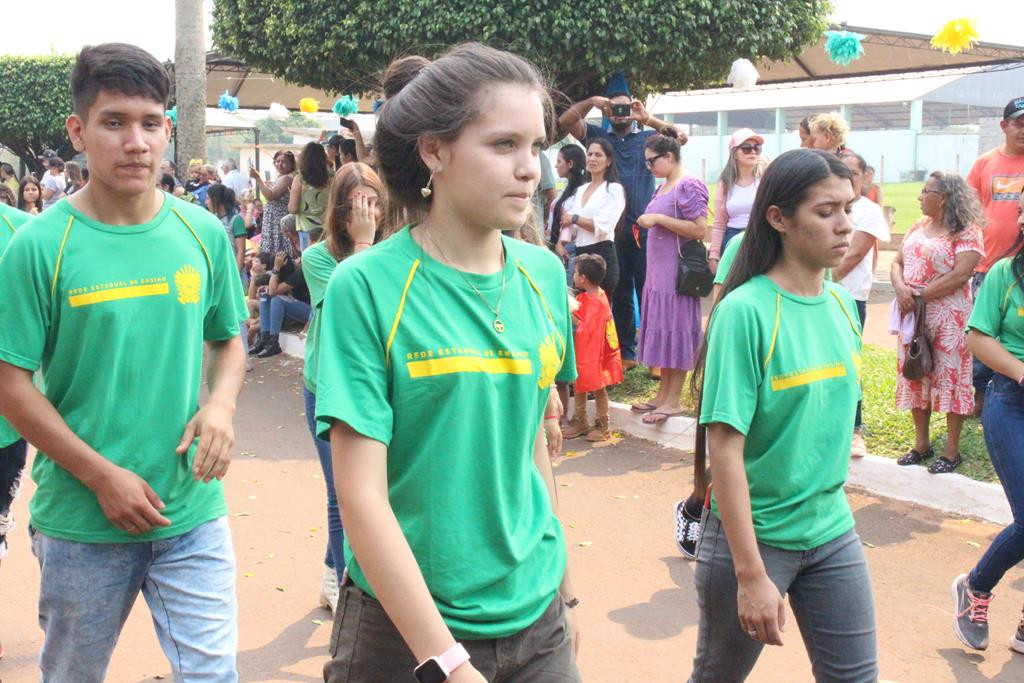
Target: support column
[723, 132]
[780, 129]
[916, 125]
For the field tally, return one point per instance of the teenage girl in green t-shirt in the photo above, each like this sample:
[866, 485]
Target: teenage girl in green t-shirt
[996, 337]
[439, 349]
[779, 381]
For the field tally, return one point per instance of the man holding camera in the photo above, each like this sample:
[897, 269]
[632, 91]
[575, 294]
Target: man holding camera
[627, 136]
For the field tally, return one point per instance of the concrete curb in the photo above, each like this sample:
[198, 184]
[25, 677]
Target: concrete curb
[952, 493]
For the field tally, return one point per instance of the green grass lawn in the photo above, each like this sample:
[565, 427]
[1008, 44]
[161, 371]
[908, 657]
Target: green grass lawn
[887, 431]
[903, 196]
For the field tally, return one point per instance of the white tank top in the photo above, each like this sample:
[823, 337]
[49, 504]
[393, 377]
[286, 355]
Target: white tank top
[739, 203]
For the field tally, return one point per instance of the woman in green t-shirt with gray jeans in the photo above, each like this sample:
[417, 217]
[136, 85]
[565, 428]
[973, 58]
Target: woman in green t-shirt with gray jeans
[780, 368]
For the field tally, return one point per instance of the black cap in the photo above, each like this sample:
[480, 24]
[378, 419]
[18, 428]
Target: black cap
[1014, 108]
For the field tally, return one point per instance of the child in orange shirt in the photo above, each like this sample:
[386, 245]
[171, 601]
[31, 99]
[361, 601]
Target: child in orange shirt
[598, 359]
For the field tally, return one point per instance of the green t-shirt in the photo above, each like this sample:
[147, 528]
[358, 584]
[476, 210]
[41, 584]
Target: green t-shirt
[409, 357]
[317, 266]
[725, 263]
[114, 317]
[10, 220]
[999, 308]
[783, 370]
[312, 206]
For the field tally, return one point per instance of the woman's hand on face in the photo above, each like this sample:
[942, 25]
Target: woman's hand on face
[363, 224]
[761, 610]
[647, 220]
[258, 268]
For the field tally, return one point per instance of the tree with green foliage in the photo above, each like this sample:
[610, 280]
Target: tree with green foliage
[35, 102]
[678, 44]
[272, 131]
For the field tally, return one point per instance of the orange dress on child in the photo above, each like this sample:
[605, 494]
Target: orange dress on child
[598, 358]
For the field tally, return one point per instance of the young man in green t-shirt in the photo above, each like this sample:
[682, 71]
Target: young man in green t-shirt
[110, 296]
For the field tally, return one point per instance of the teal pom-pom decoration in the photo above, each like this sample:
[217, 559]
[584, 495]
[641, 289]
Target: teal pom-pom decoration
[345, 106]
[843, 47]
[227, 102]
[172, 114]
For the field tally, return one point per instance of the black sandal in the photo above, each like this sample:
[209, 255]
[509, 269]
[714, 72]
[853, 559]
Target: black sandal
[915, 457]
[943, 466]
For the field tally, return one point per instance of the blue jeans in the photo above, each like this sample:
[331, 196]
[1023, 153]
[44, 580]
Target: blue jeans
[729, 234]
[862, 311]
[830, 593]
[631, 266]
[982, 373]
[1002, 420]
[303, 240]
[335, 557]
[273, 311]
[87, 591]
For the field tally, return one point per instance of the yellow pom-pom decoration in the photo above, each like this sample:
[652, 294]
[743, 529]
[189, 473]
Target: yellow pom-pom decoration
[307, 105]
[956, 36]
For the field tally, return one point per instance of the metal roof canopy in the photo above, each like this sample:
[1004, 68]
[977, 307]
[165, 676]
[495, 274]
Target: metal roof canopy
[257, 90]
[835, 91]
[885, 52]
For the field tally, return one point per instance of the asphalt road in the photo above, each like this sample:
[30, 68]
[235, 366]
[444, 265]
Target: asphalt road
[638, 610]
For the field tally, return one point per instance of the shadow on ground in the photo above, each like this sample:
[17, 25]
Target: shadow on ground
[582, 457]
[963, 666]
[668, 611]
[291, 646]
[880, 525]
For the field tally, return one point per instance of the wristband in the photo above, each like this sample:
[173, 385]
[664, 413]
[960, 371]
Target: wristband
[438, 669]
[551, 417]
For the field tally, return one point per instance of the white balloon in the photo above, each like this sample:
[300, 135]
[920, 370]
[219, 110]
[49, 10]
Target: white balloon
[278, 111]
[743, 74]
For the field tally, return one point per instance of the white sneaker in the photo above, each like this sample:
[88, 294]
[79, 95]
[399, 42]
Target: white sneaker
[329, 589]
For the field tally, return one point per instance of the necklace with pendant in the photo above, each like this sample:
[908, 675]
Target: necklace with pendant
[498, 325]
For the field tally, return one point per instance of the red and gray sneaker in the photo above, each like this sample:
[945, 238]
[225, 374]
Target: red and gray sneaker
[970, 614]
[1017, 639]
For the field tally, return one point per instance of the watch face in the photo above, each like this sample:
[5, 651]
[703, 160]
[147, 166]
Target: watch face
[430, 672]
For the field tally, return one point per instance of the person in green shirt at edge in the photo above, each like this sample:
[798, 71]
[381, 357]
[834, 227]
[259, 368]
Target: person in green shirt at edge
[110, 295]
[778, 387]
[996, 337]
[438, 353]
[13, 448]
[352, 223]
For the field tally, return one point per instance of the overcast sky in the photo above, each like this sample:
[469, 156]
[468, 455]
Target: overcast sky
[66, 25]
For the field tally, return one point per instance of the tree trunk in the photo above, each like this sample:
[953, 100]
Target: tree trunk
[189, 82]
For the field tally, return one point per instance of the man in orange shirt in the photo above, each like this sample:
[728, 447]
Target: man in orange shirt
[998, 178]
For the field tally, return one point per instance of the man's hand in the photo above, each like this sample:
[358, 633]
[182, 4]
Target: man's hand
[602, 103]
[213, 425]
[129, 502]
[279, 259]
[572, 625]
[639, 112]
[553, 436]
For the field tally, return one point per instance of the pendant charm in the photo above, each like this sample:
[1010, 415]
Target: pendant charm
[499, 326]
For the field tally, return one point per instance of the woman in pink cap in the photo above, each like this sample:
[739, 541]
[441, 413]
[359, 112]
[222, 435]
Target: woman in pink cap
[736, 189]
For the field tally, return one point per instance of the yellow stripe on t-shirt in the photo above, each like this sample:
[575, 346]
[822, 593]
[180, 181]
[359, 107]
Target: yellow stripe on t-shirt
[115, 293]
[1020, 312]
[454, 364]
[798, 379]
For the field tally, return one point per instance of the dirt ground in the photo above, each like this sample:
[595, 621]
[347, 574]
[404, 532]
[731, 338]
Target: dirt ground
[637, 609]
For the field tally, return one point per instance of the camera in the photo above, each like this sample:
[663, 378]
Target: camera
[620, 110]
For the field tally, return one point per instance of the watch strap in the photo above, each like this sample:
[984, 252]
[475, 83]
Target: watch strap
[448, 661]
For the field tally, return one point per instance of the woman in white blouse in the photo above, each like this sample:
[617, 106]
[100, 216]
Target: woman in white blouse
[595, 210]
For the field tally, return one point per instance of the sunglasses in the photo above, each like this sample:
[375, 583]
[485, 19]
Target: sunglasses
[650, 161]
[748, 148]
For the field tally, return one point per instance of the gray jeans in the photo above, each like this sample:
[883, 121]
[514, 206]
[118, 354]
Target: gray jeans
[367, 648]
[830, 593]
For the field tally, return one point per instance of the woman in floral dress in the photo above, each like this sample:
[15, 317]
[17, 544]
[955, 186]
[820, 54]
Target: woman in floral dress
[935, 262]
[272, 237]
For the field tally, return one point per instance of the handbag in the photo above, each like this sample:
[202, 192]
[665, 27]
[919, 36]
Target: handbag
[918, 361]
[693, 274]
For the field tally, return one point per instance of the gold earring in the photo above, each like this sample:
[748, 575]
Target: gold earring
[426, 191]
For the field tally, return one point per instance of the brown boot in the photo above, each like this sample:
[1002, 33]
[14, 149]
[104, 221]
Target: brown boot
[602, 431]
[577, 427]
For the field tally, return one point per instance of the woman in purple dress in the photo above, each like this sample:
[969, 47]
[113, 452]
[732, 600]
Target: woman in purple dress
[670, 330]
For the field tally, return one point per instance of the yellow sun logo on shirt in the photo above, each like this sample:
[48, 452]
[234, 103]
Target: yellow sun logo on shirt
[611, 335]
[550, 362]
[187, 282]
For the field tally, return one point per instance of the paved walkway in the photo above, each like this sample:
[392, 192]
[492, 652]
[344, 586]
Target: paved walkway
[638, 610]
